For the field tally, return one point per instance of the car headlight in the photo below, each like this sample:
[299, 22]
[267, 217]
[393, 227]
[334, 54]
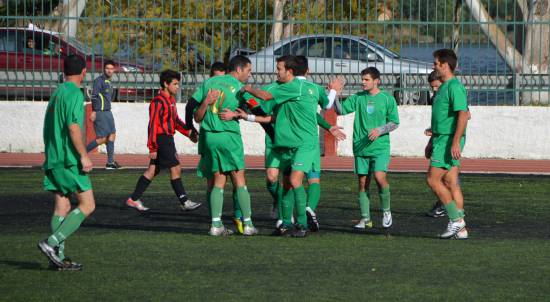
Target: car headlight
[129, 68]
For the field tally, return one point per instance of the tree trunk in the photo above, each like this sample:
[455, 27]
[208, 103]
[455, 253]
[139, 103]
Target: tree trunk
[456, 25]
[277, 29]
[537, 50]
[66, 17]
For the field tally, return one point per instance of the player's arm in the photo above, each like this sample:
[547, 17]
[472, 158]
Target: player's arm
[336, 131]
[155, 109]
[459, 132]
[96, 98]
[190, 107]
[254, 118]
[210, 98]
[392, 118]
[262, 94]
[343, 107]
[182, 128]
[335, 89]
[75, 118]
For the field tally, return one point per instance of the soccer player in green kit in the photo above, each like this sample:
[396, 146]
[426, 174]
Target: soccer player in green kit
[272, 156]
[223, 153]
[67, 163]
[375, 117]
[296, 137]
[449, 120]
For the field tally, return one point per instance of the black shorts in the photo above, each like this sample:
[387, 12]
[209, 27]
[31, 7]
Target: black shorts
[167, 156]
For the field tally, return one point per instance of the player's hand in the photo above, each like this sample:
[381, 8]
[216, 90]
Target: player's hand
[428, 132]
[194, 136]
[153, 155]
[246, 88]
[212, 96]
[227, 115]
[455, 150]
[428, 150]
[241, 114]
[92, 116]
[337, 132]
[86, 163]
[337, 84]
[374, 134]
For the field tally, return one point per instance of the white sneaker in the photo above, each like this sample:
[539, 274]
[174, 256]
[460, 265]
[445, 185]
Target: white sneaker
[250, 230]
[136, 204]
[363, 224]
[190, 205]
[278, 224]
[462, 234]
[453, 228]
[219, 231]
[387, 220]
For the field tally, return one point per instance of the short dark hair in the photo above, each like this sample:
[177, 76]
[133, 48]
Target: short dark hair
[433, 76]
[108, 62]
[372, 71]
[216, 66]
[238, 61]
[448, 56]
[73, 65]
[302, 66]
[290, 63]
[166, 76]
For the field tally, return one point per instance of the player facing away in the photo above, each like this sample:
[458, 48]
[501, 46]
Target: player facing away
[448, 126]
[104, 122]
[66, 164]
[375, 117]
[163, 123]
[222, 154]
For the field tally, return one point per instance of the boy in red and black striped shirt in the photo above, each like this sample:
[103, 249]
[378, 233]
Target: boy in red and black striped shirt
[163, 123]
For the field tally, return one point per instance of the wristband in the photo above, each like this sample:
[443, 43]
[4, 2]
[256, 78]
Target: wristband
[251, 118]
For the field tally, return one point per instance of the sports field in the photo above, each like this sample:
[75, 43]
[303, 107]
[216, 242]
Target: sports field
[166, 255]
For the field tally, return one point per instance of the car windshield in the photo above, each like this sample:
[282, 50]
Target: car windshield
[78, 45]
[381, 49]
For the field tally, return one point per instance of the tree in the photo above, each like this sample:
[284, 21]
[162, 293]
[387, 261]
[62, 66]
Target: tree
[524, 57]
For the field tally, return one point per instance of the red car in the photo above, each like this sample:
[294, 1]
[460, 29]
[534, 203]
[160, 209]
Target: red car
[31, 63]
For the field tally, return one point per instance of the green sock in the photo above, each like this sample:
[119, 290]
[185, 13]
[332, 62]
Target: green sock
[288, 207]
[452, 211]
[364, 204]
[461, 213]
[55, 224]
[67, 228]
[216, 206]
[385, 198]
[272, 188]
[236, 206]
[244, 203]
[280, 203]
[313, 195]
[301, 200]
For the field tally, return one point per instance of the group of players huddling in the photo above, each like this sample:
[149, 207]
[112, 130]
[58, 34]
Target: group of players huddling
[288, 112]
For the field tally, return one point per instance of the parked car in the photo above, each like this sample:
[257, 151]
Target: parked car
[340, 54]
[41, 52]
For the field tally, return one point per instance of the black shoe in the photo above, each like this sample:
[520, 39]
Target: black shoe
[312, 221]
[112, 166]
[438, 210]
[50, 252]
[68, 265]
[300, 232]
[283, 231]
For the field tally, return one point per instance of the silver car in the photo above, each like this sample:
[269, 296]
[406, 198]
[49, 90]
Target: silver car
[337, 54]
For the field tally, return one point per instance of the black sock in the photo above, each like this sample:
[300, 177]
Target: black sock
[177, 185]
[91, 146]
[141, 186]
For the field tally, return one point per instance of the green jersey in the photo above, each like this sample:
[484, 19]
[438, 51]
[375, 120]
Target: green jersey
[371, 111]
[295, 103]
[450, 98]
[66, 107]
[230, 98]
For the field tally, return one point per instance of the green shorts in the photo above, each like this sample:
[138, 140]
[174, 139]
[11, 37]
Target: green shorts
[364, 165]
[66, 180]
[221, 152]
[441, 154]
[303, 158]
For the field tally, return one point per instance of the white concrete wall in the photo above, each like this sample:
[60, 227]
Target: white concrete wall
[493, 132]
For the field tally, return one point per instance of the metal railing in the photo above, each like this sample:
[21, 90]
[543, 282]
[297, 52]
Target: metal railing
[503, 59]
